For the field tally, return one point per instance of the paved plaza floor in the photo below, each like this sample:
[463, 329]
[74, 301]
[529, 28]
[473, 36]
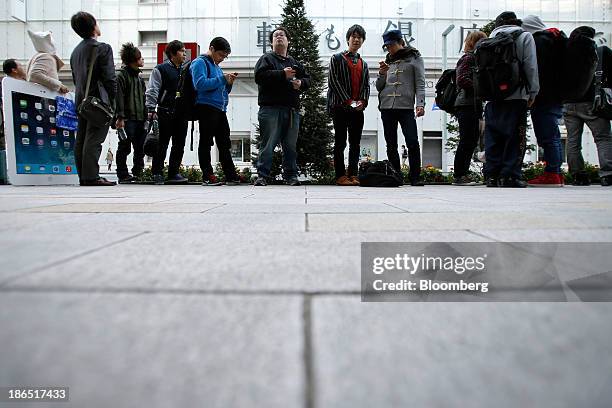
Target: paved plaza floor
[189, 296]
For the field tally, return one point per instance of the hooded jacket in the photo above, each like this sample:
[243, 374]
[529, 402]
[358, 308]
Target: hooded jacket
[526, 54]
[404, 82]
[274, 87]
[130, 94]
[43, 67]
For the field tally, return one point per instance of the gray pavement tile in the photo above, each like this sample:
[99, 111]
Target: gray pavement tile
[475, 220]
[155, 351]
[126, 208]
[257, 207]
[548, 235]
[245, 261]
[460, 355]
[27, 250]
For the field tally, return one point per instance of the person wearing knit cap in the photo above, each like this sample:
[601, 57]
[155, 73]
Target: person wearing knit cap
[578, 111]
[504, 118]
[547, 110]
[44, 66]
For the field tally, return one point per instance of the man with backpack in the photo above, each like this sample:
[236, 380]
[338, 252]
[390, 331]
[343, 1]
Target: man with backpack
[507, 77]
[582, 62]
[212, 88]
[161, 95]
[347, 97]
[280, 80]
[547, 109]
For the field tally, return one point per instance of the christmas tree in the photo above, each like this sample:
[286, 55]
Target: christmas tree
[314, 145]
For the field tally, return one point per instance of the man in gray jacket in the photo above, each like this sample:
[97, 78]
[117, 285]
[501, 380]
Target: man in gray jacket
[503, 118]
[401, 82]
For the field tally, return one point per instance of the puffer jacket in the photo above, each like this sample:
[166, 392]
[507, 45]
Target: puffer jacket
[404, 83]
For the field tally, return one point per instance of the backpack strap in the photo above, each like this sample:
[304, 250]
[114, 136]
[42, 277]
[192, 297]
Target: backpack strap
[599, 70]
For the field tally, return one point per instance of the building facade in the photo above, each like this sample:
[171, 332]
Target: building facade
[246, 23]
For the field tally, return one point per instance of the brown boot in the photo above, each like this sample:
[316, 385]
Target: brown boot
[344, 181]
[354, 180]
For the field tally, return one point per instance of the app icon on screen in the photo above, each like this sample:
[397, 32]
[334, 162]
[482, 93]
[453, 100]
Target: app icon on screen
[51, 108]
[42, 168]
[38, 105]
[25, 140]
[28, 168]
[53, 131]
[40, 142]
[68, 169]
[53, 143]
[56, 169]
[66, 133]
[24, 116]
[39, 130]
[52, 119]
[25, 128]
[66, 145]
[23, 103]
[39, 118]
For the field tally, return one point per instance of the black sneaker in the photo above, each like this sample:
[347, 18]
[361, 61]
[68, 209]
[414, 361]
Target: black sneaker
[493, 182]
[233, 182]
[581, 179]
[417, 183]
[463, 181]
[293, 182]
[177, 179]
[158, 179]
[126, 179]
[261, 181]
[512, 182]
[606, 181]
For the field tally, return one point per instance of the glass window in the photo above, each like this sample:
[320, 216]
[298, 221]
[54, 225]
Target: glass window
[151, 38]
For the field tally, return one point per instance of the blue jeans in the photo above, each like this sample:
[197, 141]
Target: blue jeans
[545, 119]
[278, 124]
[503, 138]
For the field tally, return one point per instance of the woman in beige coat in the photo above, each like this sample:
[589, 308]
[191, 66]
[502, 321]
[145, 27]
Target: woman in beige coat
[44, 65]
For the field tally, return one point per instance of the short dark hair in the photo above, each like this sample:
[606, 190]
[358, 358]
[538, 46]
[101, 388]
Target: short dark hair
[9, 65]
[279, 28]
[129, 53]
[221, 44]
[356, 29]
[584, 31]
[173, 47]
[83, 24]
[508, 18]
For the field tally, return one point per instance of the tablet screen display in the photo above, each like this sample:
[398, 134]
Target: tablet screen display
[40, 146]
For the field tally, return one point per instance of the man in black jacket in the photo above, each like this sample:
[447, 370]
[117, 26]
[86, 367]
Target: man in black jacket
[131, 113]
[89, 139]
[578, 112]
[347, 97]
[280, 79]
[161, 94]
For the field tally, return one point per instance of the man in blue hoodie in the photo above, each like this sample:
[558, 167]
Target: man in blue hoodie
[212, 88]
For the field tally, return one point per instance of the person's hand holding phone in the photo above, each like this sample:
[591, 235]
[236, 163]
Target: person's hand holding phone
[230, 78]
[383, 68]
[289, 73]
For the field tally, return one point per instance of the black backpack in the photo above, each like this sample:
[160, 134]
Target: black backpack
[185, 94]
[498, 70]
[379, 174]
[579, 66]
[446, 91]
[551, 45]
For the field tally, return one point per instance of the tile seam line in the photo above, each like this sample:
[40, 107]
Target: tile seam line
[40, 269]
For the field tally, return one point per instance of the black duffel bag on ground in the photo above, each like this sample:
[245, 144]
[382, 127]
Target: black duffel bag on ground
[379, 174]
[93, 109]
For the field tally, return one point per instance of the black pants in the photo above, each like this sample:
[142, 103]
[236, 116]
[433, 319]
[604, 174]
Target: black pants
[88, 148]
[134, 129]
[503, 120]
[469, 132]
[406, 119]
[214, 125]
[173, 129]
[350, 122]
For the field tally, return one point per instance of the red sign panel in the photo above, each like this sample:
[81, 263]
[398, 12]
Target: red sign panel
[192, 51]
